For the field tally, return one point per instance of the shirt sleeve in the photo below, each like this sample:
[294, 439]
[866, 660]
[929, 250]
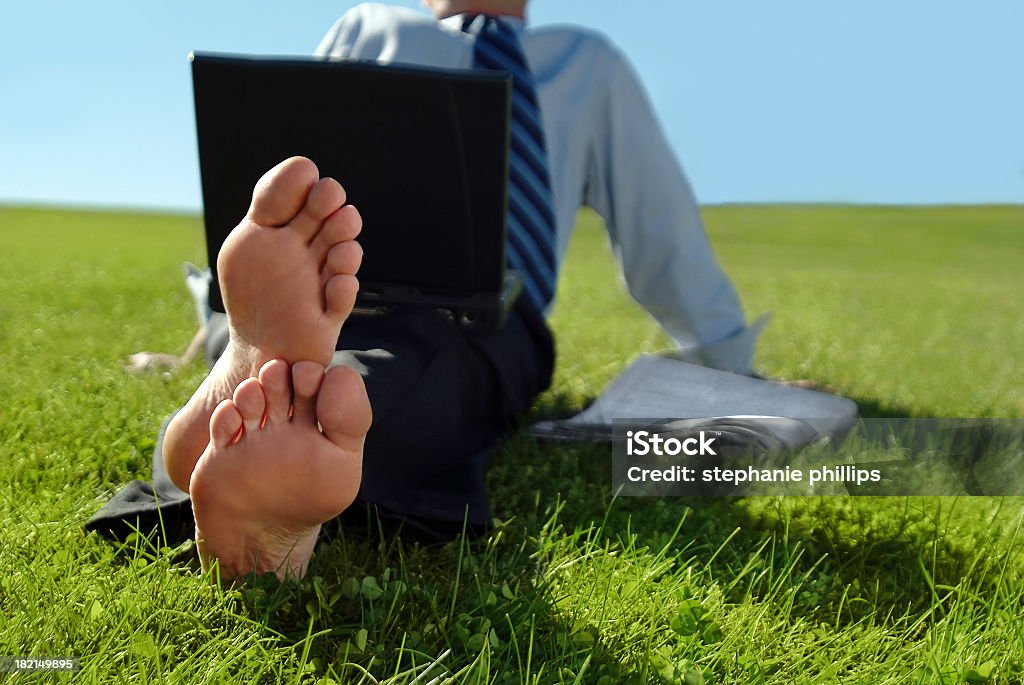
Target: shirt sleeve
[339, 40]
[635, 183]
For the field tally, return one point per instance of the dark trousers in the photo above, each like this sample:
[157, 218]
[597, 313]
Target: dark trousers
[442, 399]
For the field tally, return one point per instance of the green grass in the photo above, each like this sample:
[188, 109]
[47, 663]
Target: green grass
[911, 312]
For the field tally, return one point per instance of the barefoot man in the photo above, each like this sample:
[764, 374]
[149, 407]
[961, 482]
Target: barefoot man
[271, 445]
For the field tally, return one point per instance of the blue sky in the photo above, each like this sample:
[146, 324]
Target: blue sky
[876, 101]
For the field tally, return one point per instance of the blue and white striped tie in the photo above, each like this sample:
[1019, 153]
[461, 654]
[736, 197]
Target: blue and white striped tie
[531, 217]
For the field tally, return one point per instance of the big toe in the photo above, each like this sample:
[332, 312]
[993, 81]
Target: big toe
[281, 193]
[343, 408]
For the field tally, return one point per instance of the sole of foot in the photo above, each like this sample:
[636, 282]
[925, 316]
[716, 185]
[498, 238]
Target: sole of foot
[287, 271]
[285, 455]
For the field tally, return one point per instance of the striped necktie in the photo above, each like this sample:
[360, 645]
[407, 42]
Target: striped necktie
[531, 218]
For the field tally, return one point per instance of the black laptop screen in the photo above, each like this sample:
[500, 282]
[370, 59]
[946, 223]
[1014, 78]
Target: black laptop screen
[422, 153]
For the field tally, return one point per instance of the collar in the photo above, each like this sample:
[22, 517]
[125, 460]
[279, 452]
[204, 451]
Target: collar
[454, 23]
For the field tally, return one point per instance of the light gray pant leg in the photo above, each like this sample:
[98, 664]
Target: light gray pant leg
[216, 337]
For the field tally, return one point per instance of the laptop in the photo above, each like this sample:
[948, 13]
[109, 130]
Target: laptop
[421, 152]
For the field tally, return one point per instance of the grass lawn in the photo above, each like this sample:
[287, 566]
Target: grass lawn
[909, 311]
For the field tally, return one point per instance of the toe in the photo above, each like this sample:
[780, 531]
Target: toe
[344, 224]
[225, 423]
[251, 403]
[343, 408]
[340, 295]
[277, 389]
[306, 379]
[281, 194]
[326, 198]
[343, 258]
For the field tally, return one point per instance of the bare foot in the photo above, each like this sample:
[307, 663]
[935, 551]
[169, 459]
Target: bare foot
[287, 271]
[287, 275]
[267, 481]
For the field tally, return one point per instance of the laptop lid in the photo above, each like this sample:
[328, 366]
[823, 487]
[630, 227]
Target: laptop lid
[422, 153]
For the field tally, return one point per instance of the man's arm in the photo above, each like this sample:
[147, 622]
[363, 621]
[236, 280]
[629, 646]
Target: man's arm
[387, 33]
[637, 186]
[338, 41]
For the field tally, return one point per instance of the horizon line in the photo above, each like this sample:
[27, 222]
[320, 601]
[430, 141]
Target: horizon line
[181, 210]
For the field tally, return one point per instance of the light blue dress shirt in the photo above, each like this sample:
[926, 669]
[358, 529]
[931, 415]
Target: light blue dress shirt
[606, 150]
